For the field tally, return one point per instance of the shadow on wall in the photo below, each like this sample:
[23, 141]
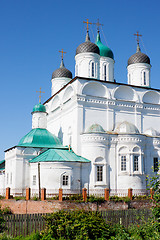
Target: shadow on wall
[60, 135]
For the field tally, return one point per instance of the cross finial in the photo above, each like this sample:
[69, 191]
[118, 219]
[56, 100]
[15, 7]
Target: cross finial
[62, 53]
[98, 24]
[40, 92]
[87, 24]
[137, 35]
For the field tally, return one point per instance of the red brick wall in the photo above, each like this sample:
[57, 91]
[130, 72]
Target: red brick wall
[48, 206]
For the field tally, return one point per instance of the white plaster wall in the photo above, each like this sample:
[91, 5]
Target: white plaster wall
[109, 62]
[51, 176]
[58, 83]
[135, 74]
[83, 65]
[39, 120]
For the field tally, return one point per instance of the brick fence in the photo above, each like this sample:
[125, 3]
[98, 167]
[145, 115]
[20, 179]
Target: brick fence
[49, 206]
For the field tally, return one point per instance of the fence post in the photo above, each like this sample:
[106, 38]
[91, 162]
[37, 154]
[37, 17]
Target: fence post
[151, 193]
[60, 194]
[84, 194]
[106, 194]
[130, 193]
[7, 193]
[28, 194]
[43, 194]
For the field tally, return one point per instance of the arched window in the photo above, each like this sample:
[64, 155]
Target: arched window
[105, 72]
[92, 69]
[144, 78]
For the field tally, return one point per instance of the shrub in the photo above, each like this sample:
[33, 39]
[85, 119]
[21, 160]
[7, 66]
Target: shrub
[76, 225]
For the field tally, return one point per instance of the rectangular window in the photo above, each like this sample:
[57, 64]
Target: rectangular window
[135, 163]
[34, 180]
[123, 163]
[105, 73]
[65, 180]
[92, 69]
[155, 164]
[144, 76]
[99, 173]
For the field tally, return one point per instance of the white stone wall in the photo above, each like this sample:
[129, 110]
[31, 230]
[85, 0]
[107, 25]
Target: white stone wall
[139, 74]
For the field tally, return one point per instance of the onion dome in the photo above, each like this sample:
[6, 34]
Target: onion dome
[104, 50]
[95, 128]
[152, 132]
[39, 108]
[62, 72]
[138, 57]
[126, 128]
[39, 137]
[87, 46]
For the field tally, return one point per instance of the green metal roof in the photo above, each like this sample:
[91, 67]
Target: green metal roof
[39, 137]
[2, 161]
[104, 50]
[1, 169]
[95, 128]
[39, 108]
[59, 155]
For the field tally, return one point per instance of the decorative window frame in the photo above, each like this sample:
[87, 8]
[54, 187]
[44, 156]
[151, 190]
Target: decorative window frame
[99, 161]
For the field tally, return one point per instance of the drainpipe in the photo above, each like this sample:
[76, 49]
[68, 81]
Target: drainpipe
[39, 181]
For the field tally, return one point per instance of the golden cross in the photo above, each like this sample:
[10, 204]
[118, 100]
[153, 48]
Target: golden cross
[98, 24]
[87, 24]
[137, 35]
[62, 53]
[40, 94]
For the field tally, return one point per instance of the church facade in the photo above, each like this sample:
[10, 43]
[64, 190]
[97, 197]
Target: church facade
[92, 132]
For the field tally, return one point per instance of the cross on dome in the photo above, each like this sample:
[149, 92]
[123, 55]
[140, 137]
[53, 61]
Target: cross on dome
[62, 53]
[98, 24]
[137, 35]
[87, 24]
[40, 92]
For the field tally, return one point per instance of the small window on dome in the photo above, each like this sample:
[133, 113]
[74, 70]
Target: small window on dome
[105, 72]
[144, 77]
[92, 69]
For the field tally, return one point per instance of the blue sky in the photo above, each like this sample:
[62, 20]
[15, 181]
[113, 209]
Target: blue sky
[32, 33]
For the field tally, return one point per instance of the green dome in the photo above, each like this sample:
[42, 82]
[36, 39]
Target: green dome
[104, 50]
[95, 128]
[39, 108]
[39, 137]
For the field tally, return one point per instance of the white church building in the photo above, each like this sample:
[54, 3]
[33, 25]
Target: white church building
[92, 132]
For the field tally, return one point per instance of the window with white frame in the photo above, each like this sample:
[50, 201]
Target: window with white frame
[136, 163]
[65, 180]
[155, 164]
[99, 173]
[123, 163]
[34, 180]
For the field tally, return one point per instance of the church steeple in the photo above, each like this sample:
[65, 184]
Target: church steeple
[139, 67]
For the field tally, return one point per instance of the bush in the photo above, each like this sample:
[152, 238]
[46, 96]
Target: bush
[76, 225]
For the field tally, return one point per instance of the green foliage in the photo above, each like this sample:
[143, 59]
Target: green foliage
[119, 199]
[35, 198]
[154, 183]
[76, 225]
[17, 198]
[6, 210]
[93, 198]
[1, 221]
